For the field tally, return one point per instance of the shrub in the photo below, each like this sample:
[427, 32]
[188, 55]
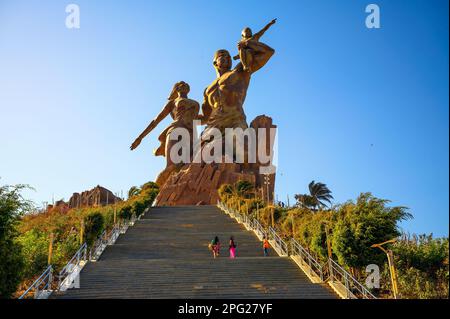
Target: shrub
[94, 226]
[35, 251]
[125, 211]
[138, 208]
[422, 266]
[12, 206]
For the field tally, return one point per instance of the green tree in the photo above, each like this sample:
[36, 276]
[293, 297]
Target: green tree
[240, 189]
[243, 188]
[125, 211]
[422, 266]
[225, 191]
[12, 207]
[94, 226]
[133, 191]
[318, 198]
[304, 201]
[34, 245]
[364, 223]
[150, 185]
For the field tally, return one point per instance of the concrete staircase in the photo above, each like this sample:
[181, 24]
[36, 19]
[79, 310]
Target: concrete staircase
[165, 255]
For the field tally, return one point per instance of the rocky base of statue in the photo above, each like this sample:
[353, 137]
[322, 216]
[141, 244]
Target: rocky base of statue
[198, 183]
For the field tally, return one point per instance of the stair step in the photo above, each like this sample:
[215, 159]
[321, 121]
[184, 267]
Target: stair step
[165, 255]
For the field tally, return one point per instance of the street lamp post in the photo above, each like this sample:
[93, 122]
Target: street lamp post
[267, 183]
[269, 204]
[390, 257]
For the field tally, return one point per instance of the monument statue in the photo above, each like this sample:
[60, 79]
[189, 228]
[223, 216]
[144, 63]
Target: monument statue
[197, 182]
[183, 112]
[248, 41]
[224, 97]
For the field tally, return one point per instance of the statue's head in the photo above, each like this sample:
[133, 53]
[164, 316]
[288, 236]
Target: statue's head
[179, 88]
[222, 61]
[247, 33]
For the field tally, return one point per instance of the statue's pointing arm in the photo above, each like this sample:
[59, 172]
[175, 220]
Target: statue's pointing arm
[259, 34]
[165, 111]
[261, 53]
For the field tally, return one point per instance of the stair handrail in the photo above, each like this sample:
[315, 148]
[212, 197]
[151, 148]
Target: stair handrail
[280, 243]
[337, 273]
[259, 228]
[79, 257]
[298, 250]
[46, 278]
[231, 211]
[132, 219]
[237, 215]
[98, 245]
[221, 205]
[106, 238]
[346, 279]
[113, 234]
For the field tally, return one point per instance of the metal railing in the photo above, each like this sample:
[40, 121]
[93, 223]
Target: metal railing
[221, 205]
[72, 267]
[259, 229]
[238, 216]
[335, 273]
[105, 239]
[279, 243]
[305, 256]
[98, 247]
[41, 286]
[114, 233]
[132, 219]
[353, 288]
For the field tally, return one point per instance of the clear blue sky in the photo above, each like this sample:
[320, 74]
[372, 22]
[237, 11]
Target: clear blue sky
[358, 109]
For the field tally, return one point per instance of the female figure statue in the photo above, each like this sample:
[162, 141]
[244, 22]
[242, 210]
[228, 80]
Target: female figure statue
[183, 111]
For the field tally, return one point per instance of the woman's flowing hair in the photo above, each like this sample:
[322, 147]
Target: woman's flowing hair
[174, 94]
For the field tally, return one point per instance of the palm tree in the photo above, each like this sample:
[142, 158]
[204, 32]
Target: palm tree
[304, 200]
[320, 194]
[134, 191]
[319, 197]
[243, 188]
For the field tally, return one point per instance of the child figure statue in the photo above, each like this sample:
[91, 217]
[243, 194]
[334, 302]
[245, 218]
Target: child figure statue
[250, 42]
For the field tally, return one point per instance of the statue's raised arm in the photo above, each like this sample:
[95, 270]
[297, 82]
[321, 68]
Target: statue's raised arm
[259, 34]
[161, 116]
[260, 54]
[252, 53]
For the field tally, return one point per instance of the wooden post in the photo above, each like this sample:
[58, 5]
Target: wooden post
[115, 214]
[82, 232]
[257, 212]
[272, 210]
[330, 253]
[50, 249]
[293, 228]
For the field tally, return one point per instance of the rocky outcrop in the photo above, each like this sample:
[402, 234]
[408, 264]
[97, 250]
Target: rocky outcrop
[198, 183]
[98, 196]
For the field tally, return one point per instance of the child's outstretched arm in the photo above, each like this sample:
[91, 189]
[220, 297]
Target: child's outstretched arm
[259, 34]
